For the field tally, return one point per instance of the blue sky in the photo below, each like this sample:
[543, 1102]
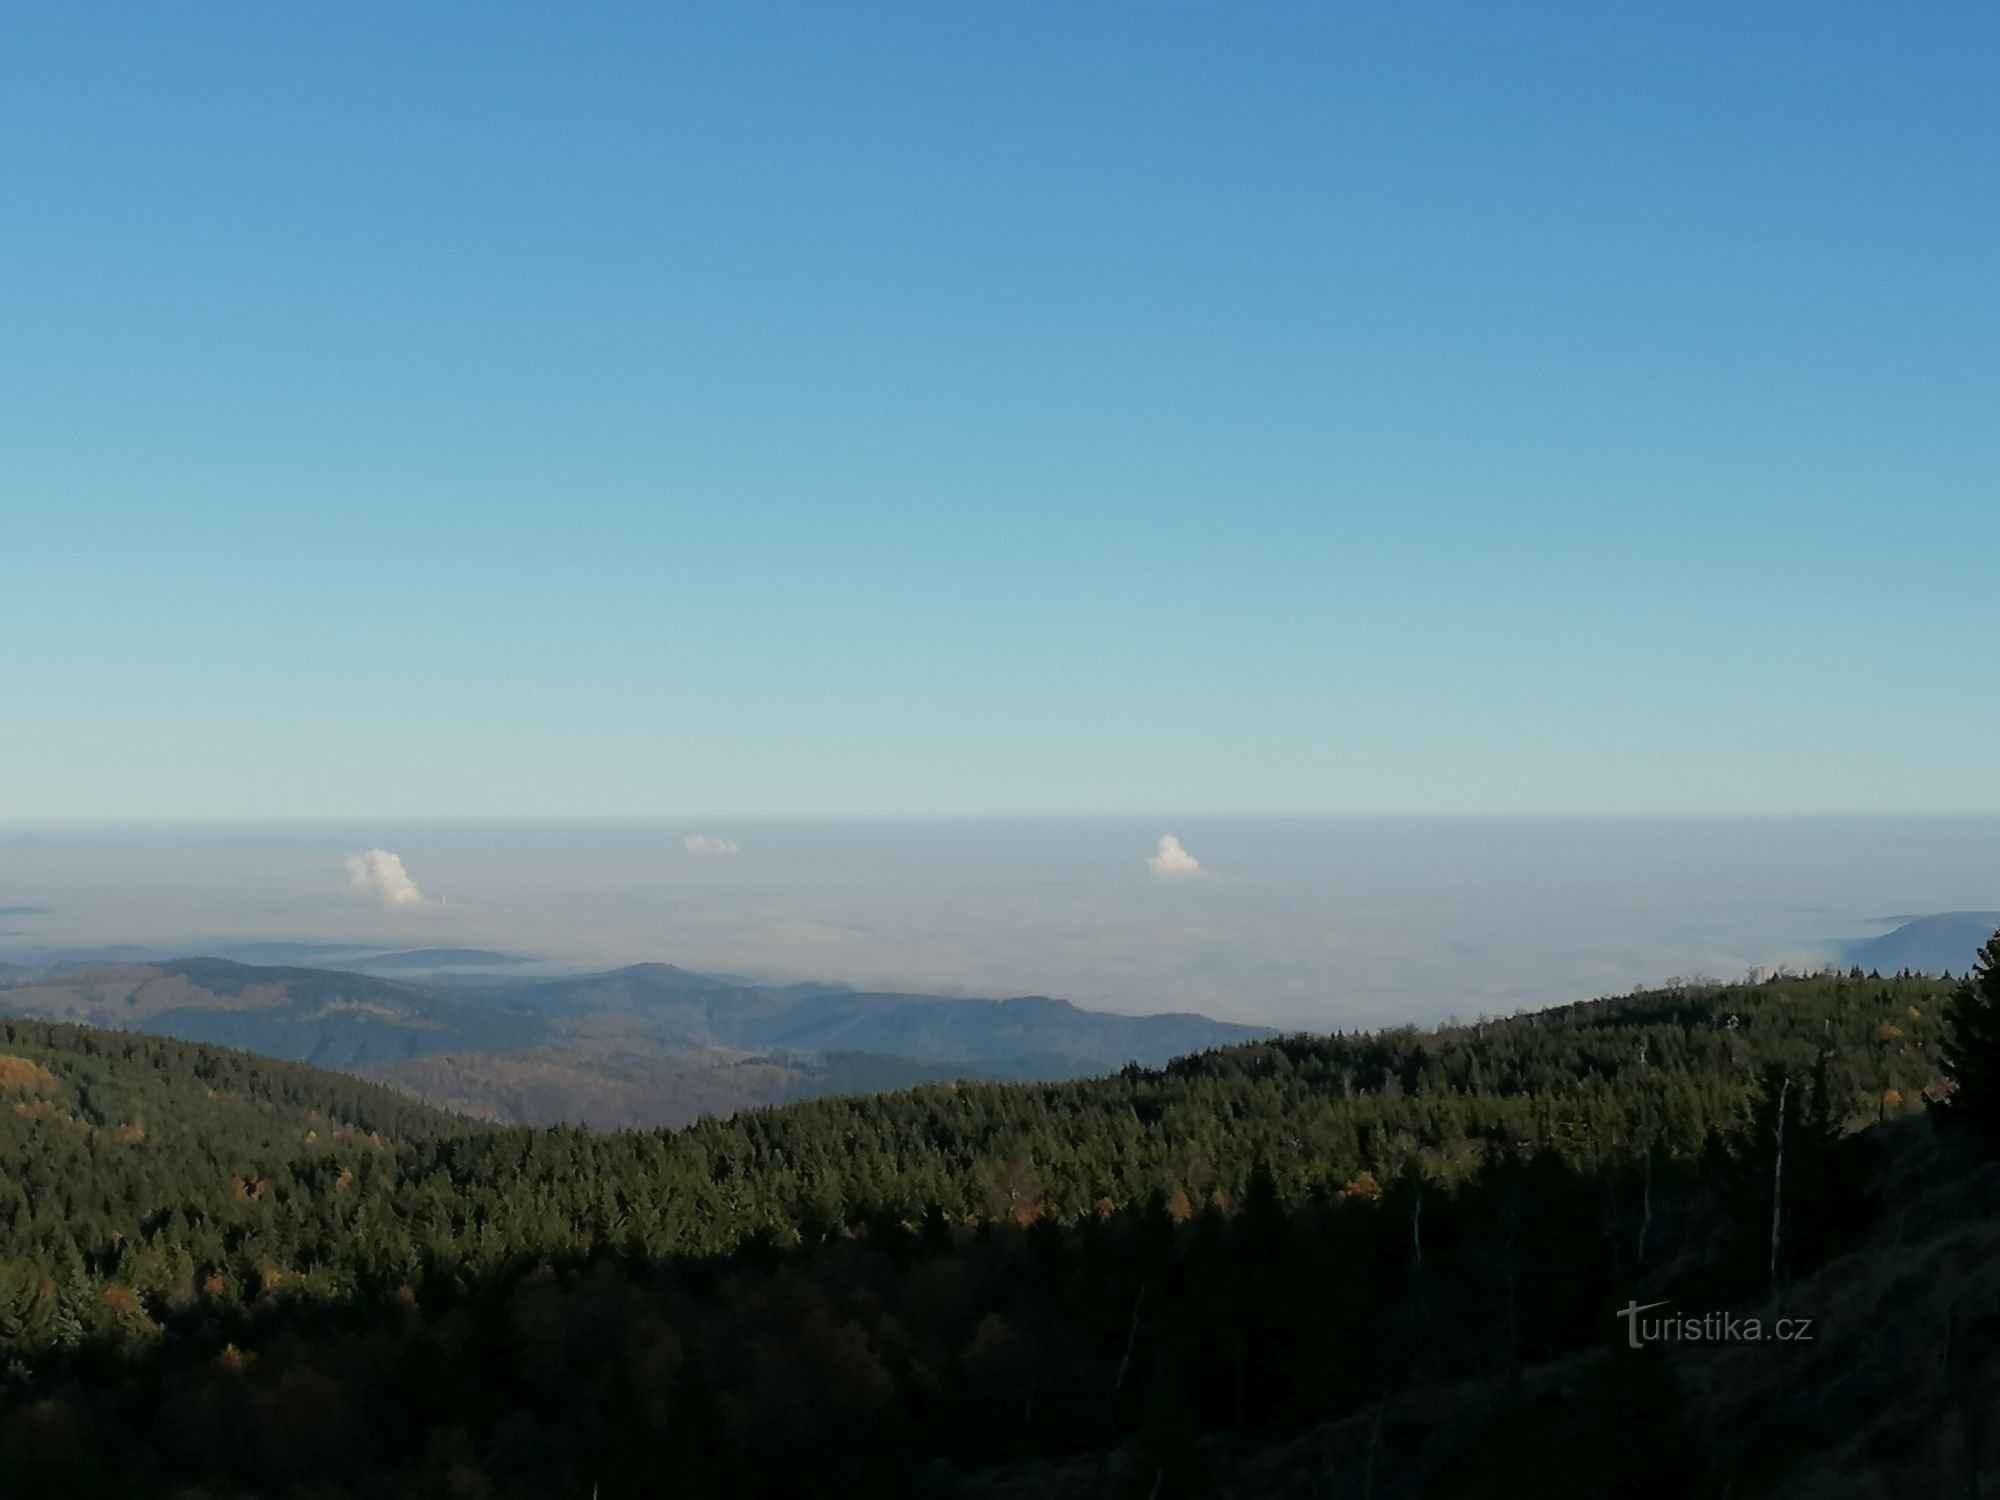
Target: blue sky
[1028, 409]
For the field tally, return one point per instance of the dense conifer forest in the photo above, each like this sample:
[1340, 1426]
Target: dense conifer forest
[226, 1276]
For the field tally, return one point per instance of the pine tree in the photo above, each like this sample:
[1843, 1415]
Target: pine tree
[1972, 1047]
[1787, 1179]
[67, 1326]
[26, 1310]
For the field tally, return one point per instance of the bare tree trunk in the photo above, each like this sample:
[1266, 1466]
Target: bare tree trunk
[1646, 1205]
[1778, 1182]
[1238, 1360]
[1131, 1340]
[1374, 1444]
[1418, 1290]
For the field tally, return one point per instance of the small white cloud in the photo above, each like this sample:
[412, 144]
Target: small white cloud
[1171, 859]
[701, 843]
[380, 874]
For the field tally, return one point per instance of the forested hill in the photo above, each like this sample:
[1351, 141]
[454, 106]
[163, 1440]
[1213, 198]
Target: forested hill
[183, 1101]
[648, 1045]
[271, 1281]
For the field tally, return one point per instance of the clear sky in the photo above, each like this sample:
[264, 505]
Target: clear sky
[1053, 408]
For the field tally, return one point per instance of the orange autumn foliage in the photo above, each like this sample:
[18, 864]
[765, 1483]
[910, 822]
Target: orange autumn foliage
[28, 1077]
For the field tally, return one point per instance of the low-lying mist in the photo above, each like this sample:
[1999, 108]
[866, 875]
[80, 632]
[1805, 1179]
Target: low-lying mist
[1307, 923]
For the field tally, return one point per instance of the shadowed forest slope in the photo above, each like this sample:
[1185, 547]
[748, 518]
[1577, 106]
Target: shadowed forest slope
[1161, 1282]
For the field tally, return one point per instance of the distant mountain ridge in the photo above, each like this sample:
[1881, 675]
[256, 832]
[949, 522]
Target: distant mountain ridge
[1943, 943]
[650, 1044]
[329, 1018]
[695, 1008]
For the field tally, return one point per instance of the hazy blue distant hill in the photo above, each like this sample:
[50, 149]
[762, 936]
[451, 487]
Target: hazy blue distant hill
[655, 978]
[1946, 942]
[419, 960]
[652, 1044]
[308, 955]
[665, 1003]
[938, 1029]
[356, 957]
[80, 958]
[327, 1017]
[54, 960]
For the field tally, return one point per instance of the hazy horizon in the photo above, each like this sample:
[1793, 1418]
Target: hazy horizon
[1313, 923]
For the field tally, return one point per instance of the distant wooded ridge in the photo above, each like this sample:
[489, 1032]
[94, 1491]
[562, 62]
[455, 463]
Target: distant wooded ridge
[650, 1044]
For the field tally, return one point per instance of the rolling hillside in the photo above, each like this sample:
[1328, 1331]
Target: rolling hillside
[325, 1017]
[671, 1004]
[1363, 1261]
[161, 1099]
[648, 1045]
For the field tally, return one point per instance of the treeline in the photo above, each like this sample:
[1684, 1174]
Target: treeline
[263, 1280]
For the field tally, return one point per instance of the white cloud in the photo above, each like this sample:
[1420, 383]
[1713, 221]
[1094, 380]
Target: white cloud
[1172, 859]
[380, 874]
[701, 843]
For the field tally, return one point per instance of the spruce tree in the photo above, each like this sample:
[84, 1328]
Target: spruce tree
[1972, 1047]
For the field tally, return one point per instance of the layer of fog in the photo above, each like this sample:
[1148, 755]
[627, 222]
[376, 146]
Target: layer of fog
[1308, 923]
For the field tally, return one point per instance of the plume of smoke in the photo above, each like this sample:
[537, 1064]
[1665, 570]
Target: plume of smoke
[1171, 859]
[701, 843]
[380, 874]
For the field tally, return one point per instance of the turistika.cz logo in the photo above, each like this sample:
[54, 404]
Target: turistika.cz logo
[1710, 1328]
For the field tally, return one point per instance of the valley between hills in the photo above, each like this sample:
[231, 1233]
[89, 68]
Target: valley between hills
[1392, 1264]
[643, 1046]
